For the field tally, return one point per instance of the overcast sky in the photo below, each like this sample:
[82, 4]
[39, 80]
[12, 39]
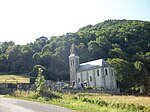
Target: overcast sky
[22, 21]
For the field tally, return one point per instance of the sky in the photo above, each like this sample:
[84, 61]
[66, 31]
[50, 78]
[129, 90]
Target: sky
[22, 21]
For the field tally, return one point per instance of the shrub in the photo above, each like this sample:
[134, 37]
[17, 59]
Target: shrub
[33, 95]
[75, 98]
[99, 102]
[89, 87]
[49, 94]
[32, 80]
[40, 82]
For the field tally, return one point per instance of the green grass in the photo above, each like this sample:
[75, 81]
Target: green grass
[82, 102]
[13, 79]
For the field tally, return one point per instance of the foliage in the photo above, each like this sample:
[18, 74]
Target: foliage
[143, 76]
[124, 72]
[40, 82]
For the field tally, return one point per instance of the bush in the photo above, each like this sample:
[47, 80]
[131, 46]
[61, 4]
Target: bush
[99, 102]
[89, 87]
[32, 80]
[33, 95]
[49, 94]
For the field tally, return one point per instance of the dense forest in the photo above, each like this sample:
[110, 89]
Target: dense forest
[125, 44]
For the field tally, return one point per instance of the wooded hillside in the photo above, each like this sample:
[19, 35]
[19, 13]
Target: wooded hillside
[125, 44]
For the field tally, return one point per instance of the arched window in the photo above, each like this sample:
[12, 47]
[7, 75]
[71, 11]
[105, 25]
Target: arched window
[90, 78]
[73, 62]
[106, 72]
[112, 72]
[78, 79]
[70, 62]
[97, 72]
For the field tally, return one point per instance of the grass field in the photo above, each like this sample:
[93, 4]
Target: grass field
[93, 102]
[142, 100]
[128, 99]
[13, 79]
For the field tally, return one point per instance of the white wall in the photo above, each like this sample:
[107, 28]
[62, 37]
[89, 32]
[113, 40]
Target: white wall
[107, 78]
[99, 81]
[107, 81]
[114, 80]
[79, 77]
[84, 76]
[91, 74]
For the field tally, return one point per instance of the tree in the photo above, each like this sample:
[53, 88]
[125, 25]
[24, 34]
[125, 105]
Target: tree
[35, 70]
[40, 82]
[143, 76]
[100, 47]
[124, 73]
[14, 58]
[36, 59]
[6, 45]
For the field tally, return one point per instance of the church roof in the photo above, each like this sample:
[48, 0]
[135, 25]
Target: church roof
[92, 65]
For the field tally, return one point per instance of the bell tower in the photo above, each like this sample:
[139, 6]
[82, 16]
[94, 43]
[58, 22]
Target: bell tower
[73, 64]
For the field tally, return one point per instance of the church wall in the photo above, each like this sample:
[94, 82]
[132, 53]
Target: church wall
[98, 77]
[79, 79]
[103, 78]
[107, 77]
[91, 77]
[84, 77]
[110, 79]
[114, 80]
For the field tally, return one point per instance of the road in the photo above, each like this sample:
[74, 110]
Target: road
[15, 105]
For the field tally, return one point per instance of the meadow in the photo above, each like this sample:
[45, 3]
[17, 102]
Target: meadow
[13, 79]
[92, 102]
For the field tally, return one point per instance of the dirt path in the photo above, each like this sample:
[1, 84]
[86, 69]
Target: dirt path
[15, 105]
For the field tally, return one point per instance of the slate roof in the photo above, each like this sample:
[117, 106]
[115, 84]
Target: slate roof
[92, 65]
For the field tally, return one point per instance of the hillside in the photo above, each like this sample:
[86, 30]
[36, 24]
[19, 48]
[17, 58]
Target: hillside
[125, 44]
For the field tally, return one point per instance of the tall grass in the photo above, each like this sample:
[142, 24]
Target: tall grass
[84, 102]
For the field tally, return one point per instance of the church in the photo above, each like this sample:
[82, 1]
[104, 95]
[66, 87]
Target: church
[93, 73]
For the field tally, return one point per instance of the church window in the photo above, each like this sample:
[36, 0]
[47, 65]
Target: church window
[112, 72]
[106, 72]
[78, 79]
[90, 78]
[73, 83]
[72, 62]
[97, 72]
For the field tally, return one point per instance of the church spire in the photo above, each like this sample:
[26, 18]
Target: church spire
[73, 50]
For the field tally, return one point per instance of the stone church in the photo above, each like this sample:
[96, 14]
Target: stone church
[93, 73]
